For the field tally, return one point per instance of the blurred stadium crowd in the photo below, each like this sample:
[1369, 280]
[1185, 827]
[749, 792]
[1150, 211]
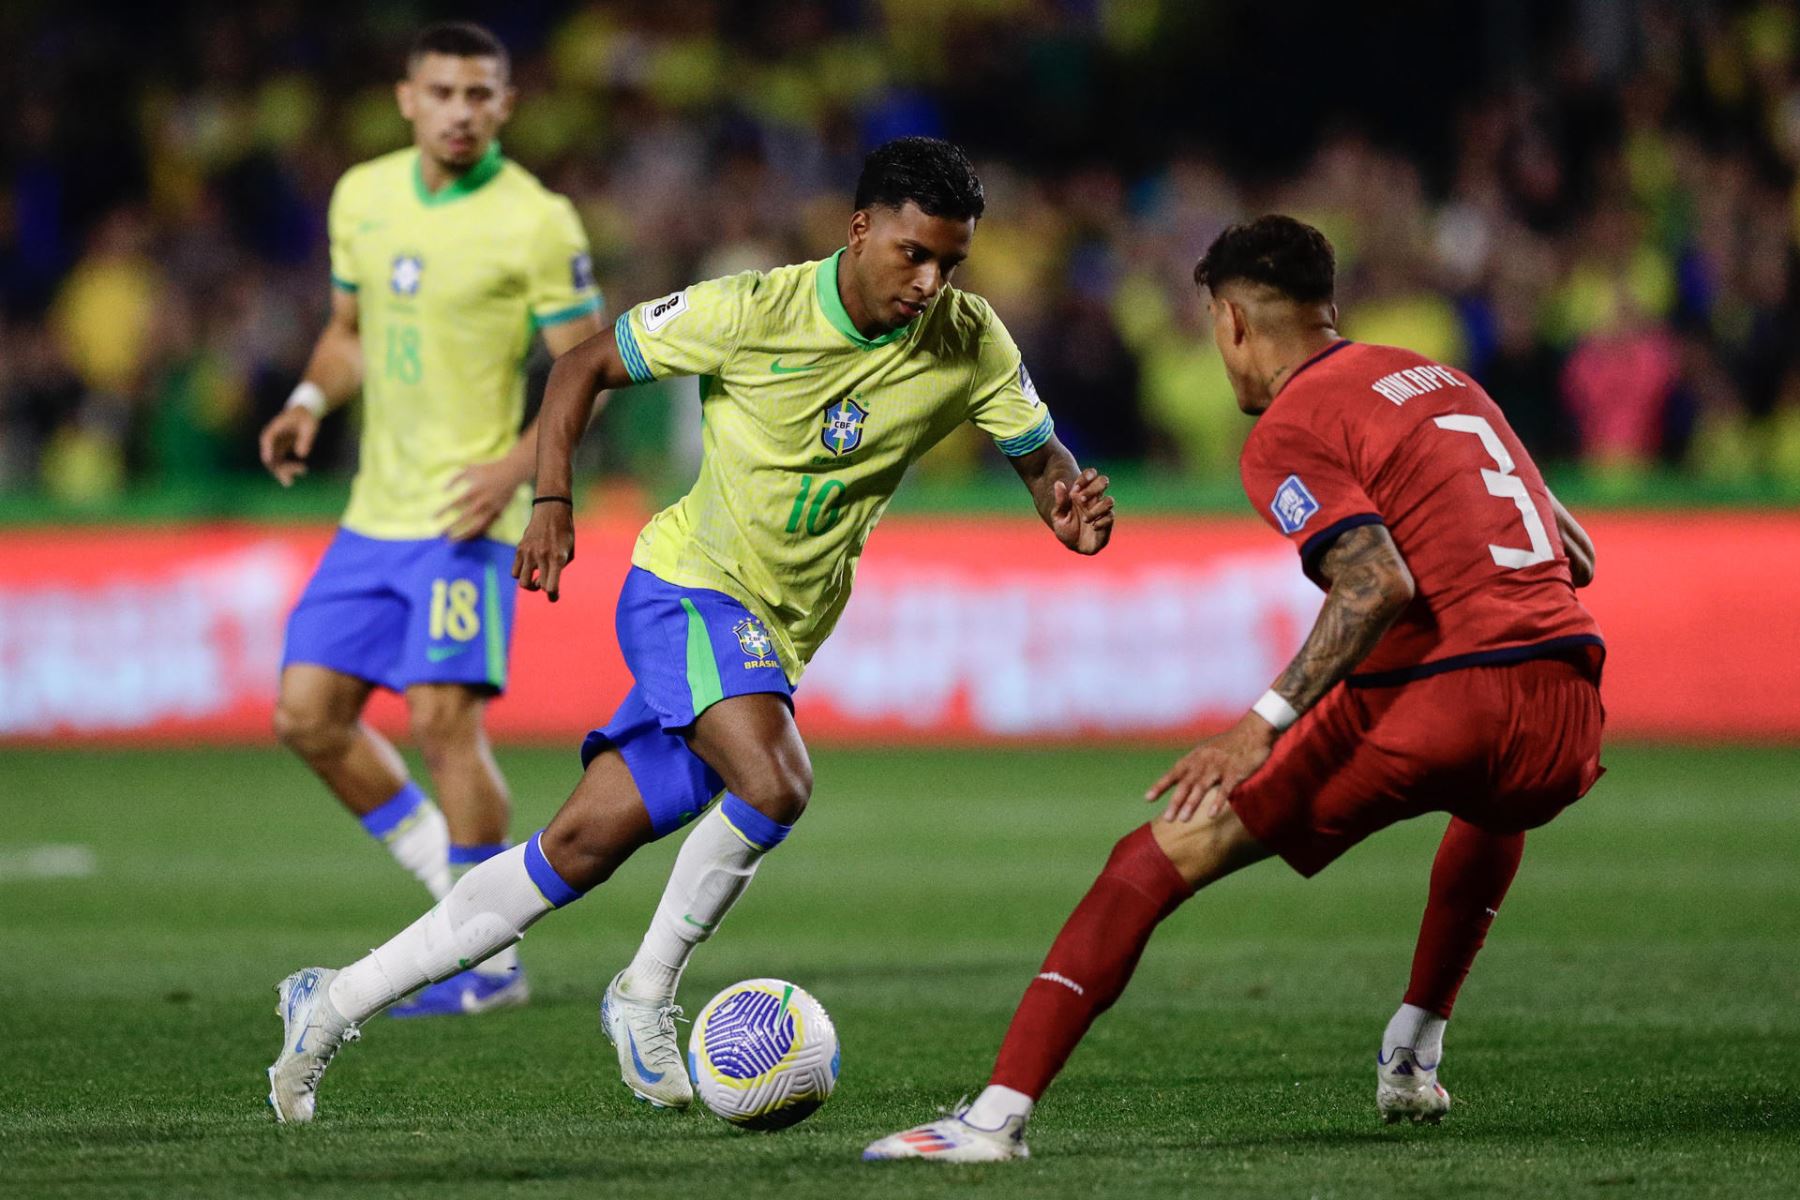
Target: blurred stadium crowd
[1602, 229]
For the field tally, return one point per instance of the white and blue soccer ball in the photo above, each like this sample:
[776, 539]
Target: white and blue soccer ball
[763, 1054]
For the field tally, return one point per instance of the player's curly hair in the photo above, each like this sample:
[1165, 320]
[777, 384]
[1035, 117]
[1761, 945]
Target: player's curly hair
[458, 39]
[1288, 255]
[932, 173]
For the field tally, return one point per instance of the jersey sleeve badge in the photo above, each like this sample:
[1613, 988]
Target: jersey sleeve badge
[1293, 505]
[581, 272]
[661, 312]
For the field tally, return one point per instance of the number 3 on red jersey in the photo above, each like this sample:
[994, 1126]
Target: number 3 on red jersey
[1504, 484]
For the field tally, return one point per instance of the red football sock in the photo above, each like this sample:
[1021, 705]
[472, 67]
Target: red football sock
[1090, 961]
[1469, 879]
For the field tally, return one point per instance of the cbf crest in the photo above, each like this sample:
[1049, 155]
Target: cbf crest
[755, 641]
[844, 426]
[406, 274]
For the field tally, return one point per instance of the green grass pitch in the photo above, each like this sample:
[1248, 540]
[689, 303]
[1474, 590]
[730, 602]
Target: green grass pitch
[1633, 1029]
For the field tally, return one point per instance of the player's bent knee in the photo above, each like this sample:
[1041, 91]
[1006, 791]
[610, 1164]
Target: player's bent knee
[780, 789]
[311, 731]
[444, 724]
[1208, 847]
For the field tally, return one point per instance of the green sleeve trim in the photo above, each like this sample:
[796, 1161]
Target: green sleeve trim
[592, 304]
[496, 629]
[343, 285]
[1025, 443]
[704, 684]
[635, 365]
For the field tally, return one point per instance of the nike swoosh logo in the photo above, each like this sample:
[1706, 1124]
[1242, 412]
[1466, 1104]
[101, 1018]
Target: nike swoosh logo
[708, 925]
[776, 368]
[438, 654]
[644, 1073]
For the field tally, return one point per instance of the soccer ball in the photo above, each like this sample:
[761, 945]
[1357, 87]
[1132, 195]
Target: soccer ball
[763, 1054]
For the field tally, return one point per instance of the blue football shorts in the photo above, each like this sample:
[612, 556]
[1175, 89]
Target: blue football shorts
[397, 613]
[687, 649]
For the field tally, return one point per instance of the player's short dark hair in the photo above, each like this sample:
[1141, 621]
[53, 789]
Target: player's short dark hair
[458, 39]
[1288, 255]
[932, 173]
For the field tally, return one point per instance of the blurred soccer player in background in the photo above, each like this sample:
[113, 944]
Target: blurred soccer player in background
[446, 257]
[823, 382]
[1451, 670]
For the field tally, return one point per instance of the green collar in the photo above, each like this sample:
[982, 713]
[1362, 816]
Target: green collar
[833, 306]
[469, 181]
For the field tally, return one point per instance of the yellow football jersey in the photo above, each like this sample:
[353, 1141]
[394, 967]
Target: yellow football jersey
[451, 287]
[808, 428]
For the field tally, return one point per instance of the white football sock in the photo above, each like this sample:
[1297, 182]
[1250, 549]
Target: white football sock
[713, 869]
[489, 909]
[413, 830]
[996, 1106]
[463, 859]
[1417, 1029]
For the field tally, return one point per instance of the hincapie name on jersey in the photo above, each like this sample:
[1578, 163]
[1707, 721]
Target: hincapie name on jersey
[1402, 386]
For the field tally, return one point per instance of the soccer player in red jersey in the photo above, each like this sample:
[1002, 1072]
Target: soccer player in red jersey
[1451, 669]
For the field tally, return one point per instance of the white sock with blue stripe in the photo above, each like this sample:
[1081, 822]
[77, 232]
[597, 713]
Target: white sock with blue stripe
[462, 859]
[714, 867]
[488, 910]
[412, 829]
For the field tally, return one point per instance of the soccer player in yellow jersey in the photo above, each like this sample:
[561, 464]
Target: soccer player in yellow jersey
[822, 383]
[445, 257]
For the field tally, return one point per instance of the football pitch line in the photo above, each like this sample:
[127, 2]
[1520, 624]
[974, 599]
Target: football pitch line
[1633, 1028]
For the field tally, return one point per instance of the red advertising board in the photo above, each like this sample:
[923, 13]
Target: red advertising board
[963, 629]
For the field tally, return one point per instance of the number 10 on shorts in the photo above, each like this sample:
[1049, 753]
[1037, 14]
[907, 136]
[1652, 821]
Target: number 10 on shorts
[453, 611]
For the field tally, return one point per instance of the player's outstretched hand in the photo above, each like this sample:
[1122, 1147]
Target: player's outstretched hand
[478, 495]
[547, 547]
[1083, 515]
[286, 441]
[1211, 771]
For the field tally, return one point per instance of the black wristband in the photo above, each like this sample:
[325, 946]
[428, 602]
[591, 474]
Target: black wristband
[553, 500]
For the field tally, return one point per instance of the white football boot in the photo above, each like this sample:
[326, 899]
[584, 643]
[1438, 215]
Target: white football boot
[952, 1139]
[1406, 1090]
[312, 1032]
[649, 1051]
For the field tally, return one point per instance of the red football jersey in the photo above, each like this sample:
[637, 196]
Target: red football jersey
[1366, 434]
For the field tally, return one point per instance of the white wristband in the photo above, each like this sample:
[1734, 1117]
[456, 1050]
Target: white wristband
[1274, 708]
[309, 396]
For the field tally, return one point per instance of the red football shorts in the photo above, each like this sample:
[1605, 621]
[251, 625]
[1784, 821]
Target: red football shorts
[1505, 748]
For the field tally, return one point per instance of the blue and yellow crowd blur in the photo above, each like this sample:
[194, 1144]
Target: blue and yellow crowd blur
[1590, 207]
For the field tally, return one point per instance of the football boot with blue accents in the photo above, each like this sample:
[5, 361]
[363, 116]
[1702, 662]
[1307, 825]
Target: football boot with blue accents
[466, 993]
[312, 1032]
[643, 1033]
[1407, 1090]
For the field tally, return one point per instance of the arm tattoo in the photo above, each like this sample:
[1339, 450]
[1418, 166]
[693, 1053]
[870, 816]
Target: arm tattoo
[1370, 585]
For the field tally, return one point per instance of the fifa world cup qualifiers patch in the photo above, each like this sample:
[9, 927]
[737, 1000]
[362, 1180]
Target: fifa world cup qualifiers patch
[581, 272]
[1028, 387]
[660, 312]
[756, 642]
[1293, 506]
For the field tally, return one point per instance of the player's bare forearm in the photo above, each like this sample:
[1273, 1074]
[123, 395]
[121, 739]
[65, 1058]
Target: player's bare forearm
[1370, 587]
[571, 398]
[333, 375]
[1576, 544]
[1071, 501]
[336, 364]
